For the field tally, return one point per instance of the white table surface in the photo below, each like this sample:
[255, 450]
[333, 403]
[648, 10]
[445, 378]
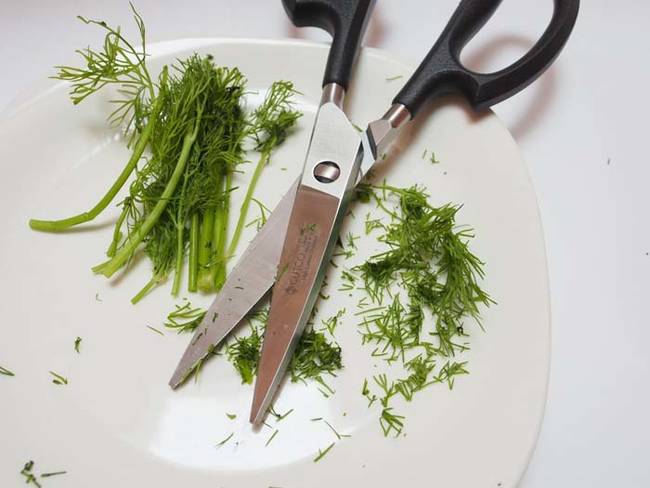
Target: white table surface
[590, 108]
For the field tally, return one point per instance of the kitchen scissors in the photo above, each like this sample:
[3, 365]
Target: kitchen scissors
[291, 252]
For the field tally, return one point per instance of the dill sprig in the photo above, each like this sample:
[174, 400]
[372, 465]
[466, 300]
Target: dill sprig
[271, 123]
[77, 344]
[192, 121]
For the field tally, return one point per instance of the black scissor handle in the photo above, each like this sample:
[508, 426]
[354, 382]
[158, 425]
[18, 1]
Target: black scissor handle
[345, 20]
[441, 71]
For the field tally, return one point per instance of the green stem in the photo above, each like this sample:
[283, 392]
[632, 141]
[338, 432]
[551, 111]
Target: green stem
[117, 232]
[143, 141]
[241, 222]
[109, 267]
[180, 253]
[205, 251]
[151, 284]
[224, 214]
[194, 254]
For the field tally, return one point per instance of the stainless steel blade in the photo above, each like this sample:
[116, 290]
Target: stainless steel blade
[248, 282]
[330, 172]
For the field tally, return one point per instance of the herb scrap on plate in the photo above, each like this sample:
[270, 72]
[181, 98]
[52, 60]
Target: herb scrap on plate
[187, 129]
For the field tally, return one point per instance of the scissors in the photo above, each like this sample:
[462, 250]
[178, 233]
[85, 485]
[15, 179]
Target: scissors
[291, 252]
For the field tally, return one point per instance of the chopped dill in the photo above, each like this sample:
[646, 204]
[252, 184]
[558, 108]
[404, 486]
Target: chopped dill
[279, 417]
[185, 318]
[332, 322]
[77, 344]
[223, 442]
[58, 379]
[160, 332]
[393, 78]
[5, 372]
[425, 270]
[54, 473]
[322, 453]
[275, 432]
[231, 416]
[30, 478]
[433, 158]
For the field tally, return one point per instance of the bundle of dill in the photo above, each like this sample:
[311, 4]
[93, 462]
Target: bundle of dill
[193, 123]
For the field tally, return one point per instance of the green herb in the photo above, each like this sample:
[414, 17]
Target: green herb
[193, 123]
[275, 432]
[393, 78]
[185, 318]
[314, 357]
[55, 473]
[58, 379]
[279, 417]
[338, 436]
[6, 372]
[231, 416]
[155, 330]
[390, 422]
[272, 122]
[321, 454]
[223, 442]
[77, 344]
[426, 269]
[433, 158]
[30, 478]
[359, 129]
[332, 322]
[244, 354]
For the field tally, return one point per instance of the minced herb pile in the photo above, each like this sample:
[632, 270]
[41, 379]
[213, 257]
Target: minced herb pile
[187, 131]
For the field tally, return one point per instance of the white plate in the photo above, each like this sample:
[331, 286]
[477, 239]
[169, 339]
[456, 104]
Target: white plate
[118, 424]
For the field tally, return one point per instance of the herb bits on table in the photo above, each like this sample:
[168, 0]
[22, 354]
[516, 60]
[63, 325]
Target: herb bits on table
[187, 131]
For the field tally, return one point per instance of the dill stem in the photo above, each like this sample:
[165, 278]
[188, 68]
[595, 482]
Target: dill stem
[193, 271]
[117, 234]
[109, 267]
[205, 281]
[151, 284]
[221, 222]
[241, 222]
[180, 251]
[143, 141]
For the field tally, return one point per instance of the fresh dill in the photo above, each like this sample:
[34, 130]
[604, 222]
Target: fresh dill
[279, 417]
[30, 478]
[231, 416]
[332, 322]
[57, 379]
[54, 473]
[223, 442]
[77, 344]
[393, 78]
[5, 372]
[268, 441]
[157, 331]
[191, 121]
[323, 453]
[426, 270]
[185, 318]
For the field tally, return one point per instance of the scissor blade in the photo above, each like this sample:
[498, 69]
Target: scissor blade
[248, 282]
[331, 168]
[299, 275]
